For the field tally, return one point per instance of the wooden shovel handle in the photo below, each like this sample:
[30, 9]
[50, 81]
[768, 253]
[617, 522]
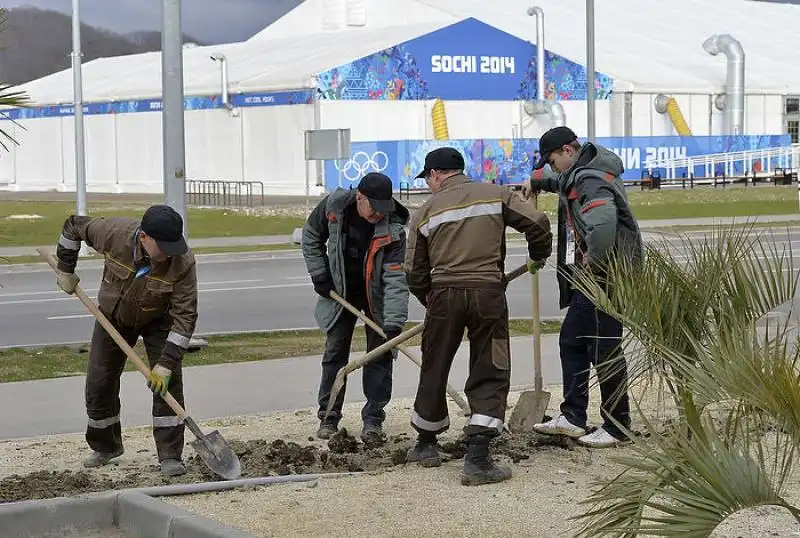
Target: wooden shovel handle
[131, 354]
[537, 326]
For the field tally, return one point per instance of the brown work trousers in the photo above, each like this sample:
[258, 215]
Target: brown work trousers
[483, 312]
[106, 364]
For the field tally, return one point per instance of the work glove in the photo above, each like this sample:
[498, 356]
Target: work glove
[158, 380]
[532, 187]
[392, 332]
[67, 281]
[323, 285]
[535, 265]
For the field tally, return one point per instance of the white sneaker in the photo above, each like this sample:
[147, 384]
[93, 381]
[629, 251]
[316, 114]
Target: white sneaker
[560, 426]
[601, 439]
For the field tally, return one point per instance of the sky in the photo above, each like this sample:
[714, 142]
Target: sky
[210, 21]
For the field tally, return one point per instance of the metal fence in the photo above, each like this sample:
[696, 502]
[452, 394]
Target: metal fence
[224, 193]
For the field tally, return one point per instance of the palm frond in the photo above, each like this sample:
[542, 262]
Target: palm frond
[10, 97]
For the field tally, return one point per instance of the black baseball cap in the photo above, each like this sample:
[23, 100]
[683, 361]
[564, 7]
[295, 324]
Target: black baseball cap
[442, 159]
[378, 190]
[553, 140]
[165, 225]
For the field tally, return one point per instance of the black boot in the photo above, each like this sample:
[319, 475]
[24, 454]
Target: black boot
[479, 467]
[327, 429]
[425, 452]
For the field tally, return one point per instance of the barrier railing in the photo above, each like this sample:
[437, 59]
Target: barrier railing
[224, 193]
[756, 163]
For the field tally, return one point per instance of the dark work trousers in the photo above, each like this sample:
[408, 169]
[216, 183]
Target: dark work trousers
[106, 363]
[484, 314]
[376, 375]
[589, 336]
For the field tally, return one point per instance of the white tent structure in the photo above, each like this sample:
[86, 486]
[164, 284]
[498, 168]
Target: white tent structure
[252, 129]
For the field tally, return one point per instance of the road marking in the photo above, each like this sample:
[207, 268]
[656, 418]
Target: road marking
[73, 316]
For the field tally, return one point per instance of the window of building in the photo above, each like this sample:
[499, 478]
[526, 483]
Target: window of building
[792, 105]
[793, 127]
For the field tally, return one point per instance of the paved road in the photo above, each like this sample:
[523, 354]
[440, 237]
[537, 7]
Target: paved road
[238, 292]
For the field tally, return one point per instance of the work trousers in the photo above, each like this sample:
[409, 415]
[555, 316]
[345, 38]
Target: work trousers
[483, 312]
[106, 364]
[376, 375]
[588, 337]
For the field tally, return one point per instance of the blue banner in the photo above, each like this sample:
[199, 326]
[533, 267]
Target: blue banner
[510, 161]
[468, 60]
[155, 105]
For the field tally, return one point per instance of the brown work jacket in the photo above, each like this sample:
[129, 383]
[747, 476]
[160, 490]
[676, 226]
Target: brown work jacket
[167, 295]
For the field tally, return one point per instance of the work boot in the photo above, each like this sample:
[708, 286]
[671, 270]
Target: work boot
[327, 428]
[479, 467]
[372, 435]
[425, 452]
[173, 467]
[98, 459]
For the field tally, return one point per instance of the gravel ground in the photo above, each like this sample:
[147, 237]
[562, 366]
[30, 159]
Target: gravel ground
[394, 501]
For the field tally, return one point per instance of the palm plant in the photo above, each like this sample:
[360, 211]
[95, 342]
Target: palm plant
[9, 97]
[697, 327]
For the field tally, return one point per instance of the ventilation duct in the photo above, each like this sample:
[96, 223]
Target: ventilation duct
[734, 84]
[542, 105]
[223, 61]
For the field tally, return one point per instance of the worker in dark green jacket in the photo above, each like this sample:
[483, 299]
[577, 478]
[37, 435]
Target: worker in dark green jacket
[354, 243]
[595, 222]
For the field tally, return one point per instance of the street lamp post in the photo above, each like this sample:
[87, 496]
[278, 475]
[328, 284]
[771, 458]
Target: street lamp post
[77, 88]
[590, 92]
[172, 114]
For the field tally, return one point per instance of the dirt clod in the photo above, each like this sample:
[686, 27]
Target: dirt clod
[261, 457]
[342, 442]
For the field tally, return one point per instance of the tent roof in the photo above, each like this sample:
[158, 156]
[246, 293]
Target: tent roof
[266, 65]
[657, 47]
[654, 49]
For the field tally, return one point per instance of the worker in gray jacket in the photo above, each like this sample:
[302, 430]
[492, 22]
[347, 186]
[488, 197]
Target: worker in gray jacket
[595, 221]
[354, 243]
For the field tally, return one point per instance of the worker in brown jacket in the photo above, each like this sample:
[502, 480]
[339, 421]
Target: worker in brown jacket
[455, 267]
[149, 289]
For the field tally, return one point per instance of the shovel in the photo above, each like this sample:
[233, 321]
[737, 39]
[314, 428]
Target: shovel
[338, 383]
[212, 448]
[403, 349]
[531, 406]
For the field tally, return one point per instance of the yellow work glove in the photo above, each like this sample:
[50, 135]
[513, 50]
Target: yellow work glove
[67, 281]
[535, 265]
[158, 381]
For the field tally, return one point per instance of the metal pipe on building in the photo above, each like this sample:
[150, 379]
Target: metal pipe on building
[590, 91]
[542, 105]
[223, 60]
[734, 84]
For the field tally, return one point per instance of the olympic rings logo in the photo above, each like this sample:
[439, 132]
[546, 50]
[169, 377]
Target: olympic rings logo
[361, 163]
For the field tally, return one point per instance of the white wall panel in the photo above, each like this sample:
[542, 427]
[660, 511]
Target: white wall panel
[139, 142]
[38, 157]
[101, 153]
[274, 147]
[8, 158]
[213, 145]
[377, 120]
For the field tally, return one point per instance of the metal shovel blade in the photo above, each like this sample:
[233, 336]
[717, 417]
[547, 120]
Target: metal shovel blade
[218, 455]
[530, 410]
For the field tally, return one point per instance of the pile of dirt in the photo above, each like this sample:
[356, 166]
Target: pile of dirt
[260, 457]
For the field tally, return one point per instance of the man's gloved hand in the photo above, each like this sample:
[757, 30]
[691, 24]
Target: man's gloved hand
[534, 266]
[158, 381]
[67, 281]
[531, 187]
[323, 285]
[392, 332]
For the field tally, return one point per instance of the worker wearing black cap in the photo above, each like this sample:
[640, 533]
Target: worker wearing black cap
[148, 289]
[455, 267]
[354, 242]
[595, 222]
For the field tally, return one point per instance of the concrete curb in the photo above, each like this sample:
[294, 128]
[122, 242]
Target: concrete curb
[134, 513]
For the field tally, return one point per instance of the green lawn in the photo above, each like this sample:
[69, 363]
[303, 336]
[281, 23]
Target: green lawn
[704, 202]
[50, 362]
[201, 222]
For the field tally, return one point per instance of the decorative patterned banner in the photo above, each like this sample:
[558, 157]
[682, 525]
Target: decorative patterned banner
[468, 60]
[509, 161]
